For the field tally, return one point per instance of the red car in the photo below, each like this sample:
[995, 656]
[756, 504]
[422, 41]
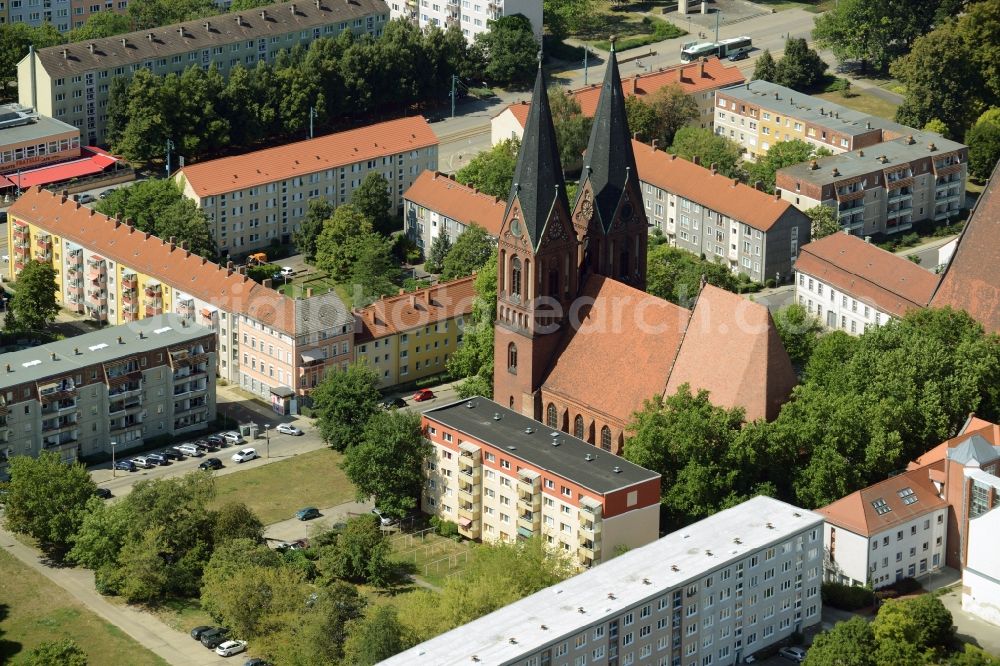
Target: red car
[423, 394]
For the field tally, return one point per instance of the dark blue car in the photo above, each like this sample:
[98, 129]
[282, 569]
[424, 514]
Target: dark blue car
[126, 465]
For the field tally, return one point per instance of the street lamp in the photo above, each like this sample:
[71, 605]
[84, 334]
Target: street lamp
[267, 436]
[113, 470]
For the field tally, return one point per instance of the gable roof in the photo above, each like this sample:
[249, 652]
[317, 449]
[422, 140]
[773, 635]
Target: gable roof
[155, 257]
[305, 157]
[981, 428]
[609, 163]
[713, 190]
[538, 178]
[165, 41]
[857, 512]
[732, 349]
[621, 353]
[971, 282]
[396, 314]
[874, 276]
[974, 449]
[448, 197]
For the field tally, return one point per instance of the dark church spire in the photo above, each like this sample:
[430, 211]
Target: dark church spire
[609, 161]
[538, 179]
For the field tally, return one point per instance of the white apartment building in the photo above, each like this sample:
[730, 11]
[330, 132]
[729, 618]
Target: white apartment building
[472, 17]
[981, 575]
[258, 198]
[709, 594]
[436, 204]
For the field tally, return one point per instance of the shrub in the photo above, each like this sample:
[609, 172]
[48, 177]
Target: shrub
[846, 597]
[769, 283]
[445, 528]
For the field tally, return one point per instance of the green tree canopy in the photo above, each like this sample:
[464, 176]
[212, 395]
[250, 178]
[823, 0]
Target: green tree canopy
[387, 463]
[800, 68]
[824, 221]
[47, 500]
[353, 253]
[568, 17]
[922, 621]
[492, 171]
[101, 24]
[33, 306]
[14, 41]
[375, 637]
[473, 360]
[508, 50]
[778, 156]
[235, 520]
[344, 402]
[709, 148]
[318, 636]
[438, 251]
[766, 68]
[471, 250]
[319, 211]
[373, 200]
[254, 601]
[799, 332]
[675, 274]
[56, 653]
[642, 119]
[359, 554]
[146, 14]
[674, 109]
[851, 642]
[983, 140]
[571, 126]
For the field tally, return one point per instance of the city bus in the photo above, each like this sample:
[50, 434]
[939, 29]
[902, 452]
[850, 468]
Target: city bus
[694, 50]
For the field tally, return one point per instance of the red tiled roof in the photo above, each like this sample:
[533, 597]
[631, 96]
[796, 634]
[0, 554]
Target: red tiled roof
[868, 273]
[972, 280]
[857, 514]
[458, 202]
[732, 349]
[976, 426]
[691, 181]
[305, 157]
[405, 312]
[622, 351]
[520, 112]
[154, 257]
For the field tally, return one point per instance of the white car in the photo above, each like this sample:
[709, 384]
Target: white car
[289, 429]
[243, 455]
[383, 519]
[140, 461]
[287, 271]
[229, 648]
[795, 654]
[189, 450]
[232, 437]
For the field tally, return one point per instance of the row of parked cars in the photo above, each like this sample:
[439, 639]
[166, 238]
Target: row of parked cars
[195, 449]
[218, 639]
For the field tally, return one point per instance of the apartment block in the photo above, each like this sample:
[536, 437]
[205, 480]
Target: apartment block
[699, 80]
[259, 198]
[850, 284]
[885, 188]
[436, 204]
[81, 10]
[272, 345]
[472, 17]
[501, 476]
[410, 336]
[111, 388]
[703, 212]
[70, 82]
[710, 594]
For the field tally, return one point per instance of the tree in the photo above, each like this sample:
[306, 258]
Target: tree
[145, 134]
[922, 621]
[195, 116]
[376, 637]
[799, 332]
[800, 68]
[851, 642]
[824, 221]
[33, 306]
[56, 653]
[374, 272]
[334, 253]
[14, 41]
[344, 402]
[253, 601]
[47, 500]
[243, 5]
[146, 14]
[235, 520]
[568, 17]
[778, 156]
[973, 656]
[492, 171]
[117, 107]
[359, 554]
[373, 200]
[471, 250]
[642, 119]
[936, 126]
[675, 274]
[709, 148]
[766, 68]
[157, 205]
[305, 237]
[571, 126]
[101, 24]
[983, 140]
[387, 463]
[674, 109]
[473, 360]
[439, 250]
[508, 50]
[319, 636]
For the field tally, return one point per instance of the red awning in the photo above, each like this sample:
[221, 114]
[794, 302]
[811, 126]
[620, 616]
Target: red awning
[464, 523]
[96, 162]
[5, 182]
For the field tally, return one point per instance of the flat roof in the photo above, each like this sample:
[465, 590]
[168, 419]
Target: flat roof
[477, 417]
[560, 611]
[37, 363]
[40, 128]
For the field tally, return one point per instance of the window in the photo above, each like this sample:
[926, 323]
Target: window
[606, 438]
[512, 358]
[578, 427]
[551, 418]
[515, 278]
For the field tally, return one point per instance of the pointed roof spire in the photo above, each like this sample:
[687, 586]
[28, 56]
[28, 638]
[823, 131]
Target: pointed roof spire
[609, 161]
[538, 179]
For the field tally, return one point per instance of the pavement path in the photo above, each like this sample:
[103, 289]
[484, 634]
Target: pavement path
[293, 528]
[149, 631]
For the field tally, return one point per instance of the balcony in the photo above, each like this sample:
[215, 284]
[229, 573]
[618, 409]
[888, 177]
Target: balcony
[588, 553]
[59, 425]
[44, 242]
[130, 281]
[947, 170]
[469, 510]
[61, 441]
[153, 292]
[58, 407]
[64, 390]
[97, 296]
[20, 233]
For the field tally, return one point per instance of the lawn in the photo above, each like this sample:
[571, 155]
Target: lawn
[182, 614]
[861, 100]
[434, 557]
[276, 491]
[34, 610]
[632, 28]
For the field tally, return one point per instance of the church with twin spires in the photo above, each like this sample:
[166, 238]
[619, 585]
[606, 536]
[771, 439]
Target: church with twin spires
[579, 344]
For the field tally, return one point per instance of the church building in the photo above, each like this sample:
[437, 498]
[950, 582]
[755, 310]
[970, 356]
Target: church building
[579, 344]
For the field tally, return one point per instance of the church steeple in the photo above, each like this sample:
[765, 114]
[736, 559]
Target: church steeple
[538, 178]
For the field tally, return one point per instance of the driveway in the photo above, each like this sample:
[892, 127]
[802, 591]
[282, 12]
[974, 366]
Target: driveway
[293, 528]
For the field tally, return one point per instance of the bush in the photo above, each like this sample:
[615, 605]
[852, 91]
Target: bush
[769, 283]
[846, 597]
[445, 528]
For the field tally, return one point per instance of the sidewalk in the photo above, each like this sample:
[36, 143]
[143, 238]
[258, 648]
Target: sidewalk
[172, 645]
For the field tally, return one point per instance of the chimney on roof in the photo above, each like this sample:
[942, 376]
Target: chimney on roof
[121, 340]
[909, 140]
[868, 239]
[208, 26]
[142, 336]
[9, 369]
[635, 136]
[813, 165]
[146, 234]
[229, 265]
[701, 68]
[65, 54]
[92, 47]
[76, 351]
[149, 36]
[239, 20]
[180, 31]
[129, 221]
[413, 301]
[883, 159]
[291, 8]
[654, 142]
[821, 111]
[776, 96]
[868, 125]
[714, 168]
[696, 160]
[932, 147]
[635, 84]
[53, 356]
[309, 292]
[266, 283]
[861, 153]
[263, 14]
[777, 194]
[319, 4]
[118, 220]
[836, 171]
[758, 185]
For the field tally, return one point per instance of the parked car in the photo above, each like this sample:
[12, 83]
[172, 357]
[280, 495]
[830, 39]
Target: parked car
[307, 513]
[739, 55]
[231, 437]
[141, 461]
[126, 465]
[199, 630]
[795, 654]
[206, 445]
[393, 403]
[157, 459]
[105, 194]
[172, 454]
[103, 493]
[256, 661]
[423, 394]
[215, 440]
[287, 271]
[289, 429]
[244, 455]
[85, 198]
[210, 463]
[190, 450]
[383, 519]
[214, 637]
[229, 648]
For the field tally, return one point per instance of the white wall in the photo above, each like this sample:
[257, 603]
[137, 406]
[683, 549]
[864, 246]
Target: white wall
[981, 577]
[851, 317]
[850, 557]
[505, 126]
[946, 251]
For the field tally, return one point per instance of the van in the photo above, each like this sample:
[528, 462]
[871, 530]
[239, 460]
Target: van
[257, 258]
[190, 450]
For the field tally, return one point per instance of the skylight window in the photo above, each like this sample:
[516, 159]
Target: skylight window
[98, 346]
[908, 496]
[881, 508]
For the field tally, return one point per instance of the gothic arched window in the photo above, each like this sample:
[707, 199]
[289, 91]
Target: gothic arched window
[578, 426]
[512, 358]
[551, 417]
[606, 438]
[515, 277]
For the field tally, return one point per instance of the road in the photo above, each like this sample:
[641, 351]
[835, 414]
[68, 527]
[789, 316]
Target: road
[927, 252]
[293, 528]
